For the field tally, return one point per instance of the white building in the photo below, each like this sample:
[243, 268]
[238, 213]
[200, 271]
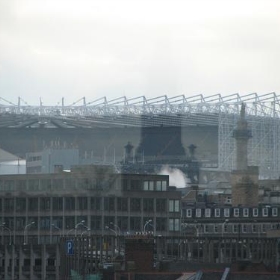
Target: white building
[11, 164]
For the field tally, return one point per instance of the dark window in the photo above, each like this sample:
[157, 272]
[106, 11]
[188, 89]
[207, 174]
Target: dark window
[57, 203]
[20, 223]
[124, 183]
[96, 222]
[21, 205]
[95, 203]
[82, 203]
[33, 204]
[69, 203]
[109, 221]
[161, 205]
[122, 204]
[148, 204]
[161, 224]
[135, 204]
[8, 205]
[109, 204]
[136, 185]
[45, 223]
[69, 222]
[135, 223]
[123, 223]
[45, 203]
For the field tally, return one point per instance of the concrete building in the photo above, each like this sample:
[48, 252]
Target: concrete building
[52, 159]
[37, 210]
[95, 195]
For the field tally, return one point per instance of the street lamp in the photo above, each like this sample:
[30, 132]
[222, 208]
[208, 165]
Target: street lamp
[81, 223]
[117, 227]
[107, 227]
[25, 239]
[56, 227]
[145, 225]
[87, 230]
[10, 231]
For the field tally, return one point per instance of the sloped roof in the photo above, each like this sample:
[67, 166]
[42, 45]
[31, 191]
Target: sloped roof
[6, 156]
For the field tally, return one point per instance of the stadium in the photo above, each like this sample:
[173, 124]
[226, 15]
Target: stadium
[161, 129]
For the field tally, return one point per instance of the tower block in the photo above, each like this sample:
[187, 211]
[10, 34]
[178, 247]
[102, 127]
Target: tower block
[244, 180]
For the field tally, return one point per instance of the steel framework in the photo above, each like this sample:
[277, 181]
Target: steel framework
[263, 115]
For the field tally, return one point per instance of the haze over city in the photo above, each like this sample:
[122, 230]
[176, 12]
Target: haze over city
[54, 49]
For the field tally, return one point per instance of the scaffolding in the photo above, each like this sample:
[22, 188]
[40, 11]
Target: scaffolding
[262, 114]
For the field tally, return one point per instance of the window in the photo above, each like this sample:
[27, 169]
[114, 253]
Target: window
[135, 223]
[245, 212]
[57, 203]
[244, 228]
[20, 205]
[164, 185]
[216, 228]
[189, 213]
[109, 204]
[8, 205]
[206, 228]
[135, 185]
[274, 212]
[95, 203]
[161, 205]
[82, 203]
[207, 213]
[148, 185]
[160, 185]
[122, 203]
[69, 203]
[135, 204]
[236, 212]
[122, 223]
[217, 212]
[254, 228]
[174, 225]
[265, 212]
[235, 228]
[45, 203]
[32, 204]
[226, 212]
[255, 212]
[161, 224]
[174, 205]
[148, 204]
[198, 213]
[95, 223]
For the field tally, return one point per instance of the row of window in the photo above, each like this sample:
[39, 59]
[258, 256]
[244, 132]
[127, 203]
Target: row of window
[231, 212]
[80, 183]
[233, 228]
[21, 205]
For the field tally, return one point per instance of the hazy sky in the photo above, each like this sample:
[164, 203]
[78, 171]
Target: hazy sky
[75, 48]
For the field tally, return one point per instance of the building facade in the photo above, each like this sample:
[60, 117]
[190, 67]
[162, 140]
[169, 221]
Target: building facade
[40, 208]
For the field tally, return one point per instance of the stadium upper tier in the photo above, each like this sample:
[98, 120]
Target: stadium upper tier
[139, 111]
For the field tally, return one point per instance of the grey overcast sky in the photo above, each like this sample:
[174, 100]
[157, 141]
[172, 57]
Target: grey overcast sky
[78, 48]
